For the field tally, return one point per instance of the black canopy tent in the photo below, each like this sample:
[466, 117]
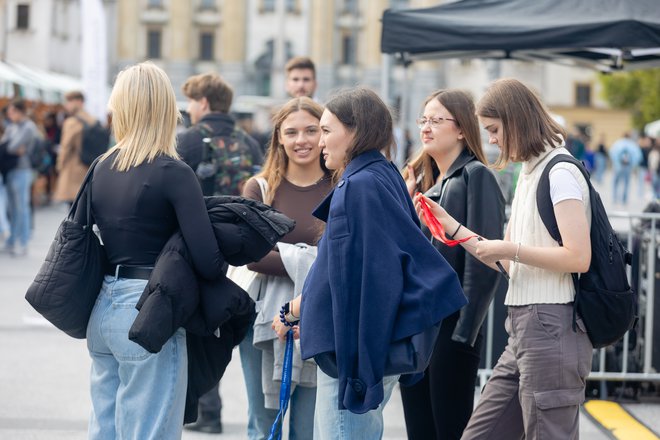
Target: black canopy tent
[602, 34]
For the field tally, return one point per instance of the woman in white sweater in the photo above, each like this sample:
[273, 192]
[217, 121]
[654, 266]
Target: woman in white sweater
[538, 383]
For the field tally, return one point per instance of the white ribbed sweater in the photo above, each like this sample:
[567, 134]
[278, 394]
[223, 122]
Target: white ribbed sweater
[528, 284]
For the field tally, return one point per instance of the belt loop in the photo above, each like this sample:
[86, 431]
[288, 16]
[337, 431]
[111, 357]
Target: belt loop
[117, 270]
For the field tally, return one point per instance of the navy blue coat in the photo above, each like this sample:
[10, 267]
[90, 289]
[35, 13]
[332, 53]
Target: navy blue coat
[377, 279]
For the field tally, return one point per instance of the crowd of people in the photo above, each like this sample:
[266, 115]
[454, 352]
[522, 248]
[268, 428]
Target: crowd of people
[40, 149]
[364, 280]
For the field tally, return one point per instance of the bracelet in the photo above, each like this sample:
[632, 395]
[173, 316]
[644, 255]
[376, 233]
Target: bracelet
[291, 312]
[456, 231]
[286, 317]
[516, 258]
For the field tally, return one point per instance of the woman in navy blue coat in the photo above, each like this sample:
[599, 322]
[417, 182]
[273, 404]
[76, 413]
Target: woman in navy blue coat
[377, 280]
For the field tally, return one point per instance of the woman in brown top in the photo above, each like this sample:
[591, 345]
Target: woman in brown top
[294, 181]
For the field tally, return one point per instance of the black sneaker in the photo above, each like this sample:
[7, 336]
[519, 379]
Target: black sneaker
[207, 425]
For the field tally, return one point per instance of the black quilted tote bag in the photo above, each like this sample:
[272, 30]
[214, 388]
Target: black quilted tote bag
[65, 289]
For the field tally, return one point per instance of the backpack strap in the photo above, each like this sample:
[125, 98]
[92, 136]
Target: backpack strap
[204, 129]
[84, 123]
[547, 210]
[543, 200]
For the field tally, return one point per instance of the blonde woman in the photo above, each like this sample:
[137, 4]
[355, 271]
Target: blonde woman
[296, 181]
[141, 194]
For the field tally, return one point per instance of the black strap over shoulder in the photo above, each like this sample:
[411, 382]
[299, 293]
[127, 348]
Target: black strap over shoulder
[543, 200]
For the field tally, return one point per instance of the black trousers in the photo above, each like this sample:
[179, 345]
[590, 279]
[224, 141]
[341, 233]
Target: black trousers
[440, 405]
[210, 404]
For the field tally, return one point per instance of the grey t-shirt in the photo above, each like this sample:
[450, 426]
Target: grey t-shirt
[20, 134]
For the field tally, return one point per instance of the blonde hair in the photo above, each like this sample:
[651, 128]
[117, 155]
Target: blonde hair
[144, 116]
[277, 161]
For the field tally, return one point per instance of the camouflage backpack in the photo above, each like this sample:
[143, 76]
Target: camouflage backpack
[227, 161]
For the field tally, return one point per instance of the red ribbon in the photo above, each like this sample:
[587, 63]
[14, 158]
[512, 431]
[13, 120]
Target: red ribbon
[436, 227]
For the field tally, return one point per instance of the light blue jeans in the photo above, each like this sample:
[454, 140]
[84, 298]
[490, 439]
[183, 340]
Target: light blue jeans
[260, 418]
[331, 423]
[4, 221]
[135, 394]
[18, 185]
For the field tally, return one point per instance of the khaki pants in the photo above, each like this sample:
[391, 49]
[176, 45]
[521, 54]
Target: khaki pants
[538, 383]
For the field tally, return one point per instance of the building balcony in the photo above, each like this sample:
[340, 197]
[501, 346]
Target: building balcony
[154, 16]
[207, 17]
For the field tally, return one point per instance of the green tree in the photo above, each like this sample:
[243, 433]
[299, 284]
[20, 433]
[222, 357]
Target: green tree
[637, 91]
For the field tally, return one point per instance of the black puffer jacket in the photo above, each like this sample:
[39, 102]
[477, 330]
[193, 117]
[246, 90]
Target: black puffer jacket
[175, 296]
[470, 194]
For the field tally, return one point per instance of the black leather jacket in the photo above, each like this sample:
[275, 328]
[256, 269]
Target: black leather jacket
[471, 195]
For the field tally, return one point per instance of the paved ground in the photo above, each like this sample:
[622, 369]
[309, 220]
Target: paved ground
[44, 373]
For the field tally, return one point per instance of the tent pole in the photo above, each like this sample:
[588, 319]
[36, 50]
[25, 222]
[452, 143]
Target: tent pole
[385, 71]
[403, 115]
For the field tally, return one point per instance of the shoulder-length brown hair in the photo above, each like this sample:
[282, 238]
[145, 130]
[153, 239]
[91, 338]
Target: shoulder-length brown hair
[364, 114]
[527, 127]
[277, 161]
[460, 105]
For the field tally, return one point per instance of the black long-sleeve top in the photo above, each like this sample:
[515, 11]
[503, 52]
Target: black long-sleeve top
[138, 210]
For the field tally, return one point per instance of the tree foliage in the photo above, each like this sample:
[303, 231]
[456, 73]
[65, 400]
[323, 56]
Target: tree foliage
[637, 91]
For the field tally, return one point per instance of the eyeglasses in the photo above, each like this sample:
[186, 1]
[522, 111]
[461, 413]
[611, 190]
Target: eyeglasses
[433, 122]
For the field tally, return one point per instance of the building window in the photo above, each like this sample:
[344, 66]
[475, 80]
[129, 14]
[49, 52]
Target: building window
[22, 16]
[208, 4]
[350, 6]
[155, 3]
[292, 5]
[154, 39]
[206, 40]
[399, 4]
[268, 5]
[348, 50]
[583, 95]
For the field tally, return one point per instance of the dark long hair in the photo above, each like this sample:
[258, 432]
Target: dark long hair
[365, 115]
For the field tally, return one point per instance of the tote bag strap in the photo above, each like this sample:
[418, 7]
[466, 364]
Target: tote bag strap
[85, 186]
[263, 186]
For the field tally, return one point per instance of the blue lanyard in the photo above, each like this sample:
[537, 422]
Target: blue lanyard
[285, 389]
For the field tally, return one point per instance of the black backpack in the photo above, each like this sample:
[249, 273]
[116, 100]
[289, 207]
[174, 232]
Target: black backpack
[95, 141]
[603, 297]
[40, 155]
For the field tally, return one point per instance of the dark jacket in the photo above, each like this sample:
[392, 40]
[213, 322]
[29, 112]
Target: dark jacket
[175, 296]
[190, 144]
[376, 280]
[471, 195]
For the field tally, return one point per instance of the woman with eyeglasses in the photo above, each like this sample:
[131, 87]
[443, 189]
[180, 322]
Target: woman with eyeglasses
[538, 384]
[451, 170]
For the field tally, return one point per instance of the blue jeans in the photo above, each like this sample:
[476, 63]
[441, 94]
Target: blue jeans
[260, 418]
[4, 221]
[135, 394]
[331, 423]
[18, 185]
[621, 184]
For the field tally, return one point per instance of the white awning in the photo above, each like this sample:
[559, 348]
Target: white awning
[38, 84]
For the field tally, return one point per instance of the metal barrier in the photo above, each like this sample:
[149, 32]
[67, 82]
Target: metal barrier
[645, 228]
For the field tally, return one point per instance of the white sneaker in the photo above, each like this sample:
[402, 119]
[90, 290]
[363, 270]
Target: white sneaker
[19, 250]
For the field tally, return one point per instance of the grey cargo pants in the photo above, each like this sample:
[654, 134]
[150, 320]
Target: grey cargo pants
[538, 383]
